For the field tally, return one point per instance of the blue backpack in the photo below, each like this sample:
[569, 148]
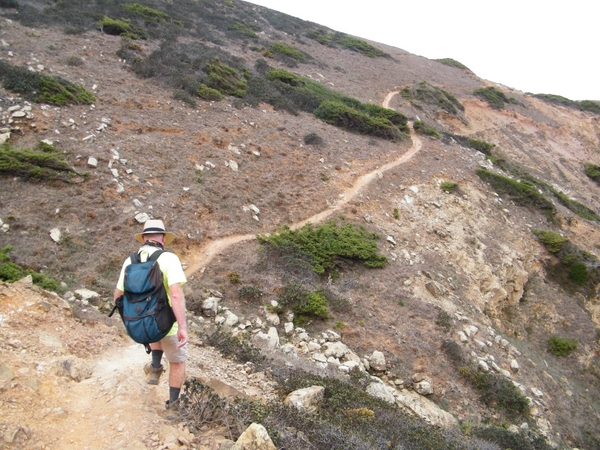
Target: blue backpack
[144, 306]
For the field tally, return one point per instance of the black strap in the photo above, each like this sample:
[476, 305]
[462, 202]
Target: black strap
[135, 257]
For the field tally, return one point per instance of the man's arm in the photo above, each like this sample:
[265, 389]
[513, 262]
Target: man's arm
[178, 304]
[117, 294]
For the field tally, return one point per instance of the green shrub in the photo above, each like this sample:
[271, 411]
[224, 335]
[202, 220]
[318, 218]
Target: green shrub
[561, 347]
[150, 15]
[521, 193]
[584, 105]
[552, 241]
[43, 88]
[590, 105]
[325, 245]
[244, 29]
[75, 61]
[249, 292]
[287, 50]
[11, 272]
[495, 98]
[209, 94]
[225, 79]
[476, 144]
[578, 273]
[313, 139]
[118, 27]
[452, 63]
[433, 95]
[348, 42]
[448, 186]
[424, 129]
[40, 164]
[592, 171]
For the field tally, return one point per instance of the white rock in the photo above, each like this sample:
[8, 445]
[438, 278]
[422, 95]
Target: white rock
[55, 234]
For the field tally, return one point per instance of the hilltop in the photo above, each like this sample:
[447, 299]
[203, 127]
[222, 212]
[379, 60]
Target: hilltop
[465, 266]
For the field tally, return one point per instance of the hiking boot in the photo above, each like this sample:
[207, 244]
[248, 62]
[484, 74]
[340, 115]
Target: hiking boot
[173, 406]
[153, 373]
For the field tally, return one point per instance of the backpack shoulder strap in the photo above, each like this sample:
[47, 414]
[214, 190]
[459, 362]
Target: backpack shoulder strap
[135, 258]
[154, 256]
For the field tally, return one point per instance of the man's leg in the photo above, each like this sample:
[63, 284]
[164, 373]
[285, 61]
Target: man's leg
[176, 379]
[177, 358]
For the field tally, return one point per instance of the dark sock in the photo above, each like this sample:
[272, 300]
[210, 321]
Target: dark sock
[156, 358]
[173, 394]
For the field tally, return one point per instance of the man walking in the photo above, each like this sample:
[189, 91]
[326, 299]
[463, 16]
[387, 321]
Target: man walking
[154, 237]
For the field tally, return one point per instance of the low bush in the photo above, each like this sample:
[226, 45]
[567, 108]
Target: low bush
[150, 15]
[304, 303]
[11, 272]
[476, 144]
[552, 241]
[496, 391]
[494, 97]
[326, 245]
[348, 42]
[452, 63]
[119, 27]
[314, 139]
[448, 186]
[225, 79]
[249, 293]
[42, 88]
[43, 163]
[561, 347]
[592, 171]
[287, 50]
[583, 105]
[244, 29]
[435, 96]
[424, 129]
[521, 193]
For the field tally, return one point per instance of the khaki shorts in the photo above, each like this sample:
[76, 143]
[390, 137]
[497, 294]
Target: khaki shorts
[172, 353]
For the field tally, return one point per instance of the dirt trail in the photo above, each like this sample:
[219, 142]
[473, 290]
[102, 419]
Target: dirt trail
[201, 257]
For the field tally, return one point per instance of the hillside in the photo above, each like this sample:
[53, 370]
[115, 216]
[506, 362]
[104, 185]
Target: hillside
[464, 270]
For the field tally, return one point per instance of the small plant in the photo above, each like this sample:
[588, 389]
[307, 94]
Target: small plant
[424, 129]
[396, 214]
[313, 139]
[448, 186]
[119, 27]
[43, 88]
[249, 292]
[234, 277]
[495, 98]
[11, 272]
[43, 163]
[520, 192]
[287, 50]
[444, 320]
[75, 61]
[327, 244]
[592, 171]
[552, 241]
[209, 94]
[305, 304]
[561, 347]
[452, 63]
[339, 325]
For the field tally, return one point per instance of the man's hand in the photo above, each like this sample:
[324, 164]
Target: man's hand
[182, 337]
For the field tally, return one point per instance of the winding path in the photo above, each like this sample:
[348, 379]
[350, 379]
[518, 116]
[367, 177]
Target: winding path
[201, 257]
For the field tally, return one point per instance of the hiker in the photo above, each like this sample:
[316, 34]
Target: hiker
[154, 237]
